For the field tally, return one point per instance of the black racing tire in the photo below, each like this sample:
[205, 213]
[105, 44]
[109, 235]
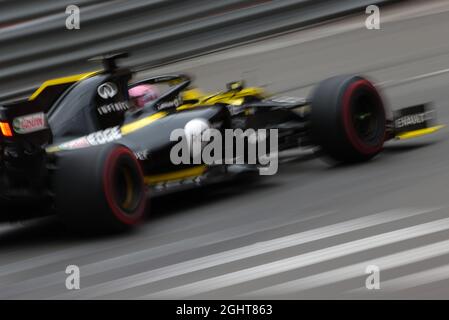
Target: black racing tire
[99, 189]
[348, 119]
[15, 211]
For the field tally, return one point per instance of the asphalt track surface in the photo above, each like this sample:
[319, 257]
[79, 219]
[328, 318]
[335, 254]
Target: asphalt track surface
[308, 232]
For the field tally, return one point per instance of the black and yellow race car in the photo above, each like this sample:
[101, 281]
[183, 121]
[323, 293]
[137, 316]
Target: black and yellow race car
[78, 147]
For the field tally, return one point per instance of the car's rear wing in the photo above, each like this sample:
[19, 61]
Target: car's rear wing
[415, 121]
[25, 123]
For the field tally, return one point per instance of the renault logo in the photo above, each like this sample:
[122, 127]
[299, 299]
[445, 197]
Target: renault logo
[107, 90]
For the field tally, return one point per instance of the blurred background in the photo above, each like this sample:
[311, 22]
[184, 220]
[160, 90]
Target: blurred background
[311, 230]
[37, 45]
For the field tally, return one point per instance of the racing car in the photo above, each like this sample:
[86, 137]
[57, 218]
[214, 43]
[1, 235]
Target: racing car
[78, 148]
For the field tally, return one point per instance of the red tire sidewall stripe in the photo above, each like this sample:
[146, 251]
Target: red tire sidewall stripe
[129, 219]
[348, 125]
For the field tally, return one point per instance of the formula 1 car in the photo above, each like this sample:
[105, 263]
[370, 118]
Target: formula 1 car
[79, 149]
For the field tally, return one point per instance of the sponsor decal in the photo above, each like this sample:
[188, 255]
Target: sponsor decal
[106, 136]
[113, 107]
[171, 104]
[93, 139]
[142, 155]
[107, 90]
[75, 144]
[412, 119]
[30, 123]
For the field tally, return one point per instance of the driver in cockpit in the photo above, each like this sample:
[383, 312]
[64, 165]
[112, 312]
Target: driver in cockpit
[144, 94]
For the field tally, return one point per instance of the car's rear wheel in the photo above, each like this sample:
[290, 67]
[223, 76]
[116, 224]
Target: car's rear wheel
[99, 189]
[348, 118]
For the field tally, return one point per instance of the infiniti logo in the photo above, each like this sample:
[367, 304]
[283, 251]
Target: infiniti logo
[107, 90]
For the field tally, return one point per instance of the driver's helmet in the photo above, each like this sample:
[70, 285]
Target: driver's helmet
[143, 94]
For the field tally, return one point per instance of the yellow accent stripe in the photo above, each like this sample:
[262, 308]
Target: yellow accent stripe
[418, 133]
[53, 82]
[186, 106]
[177, 175]
[139, 124]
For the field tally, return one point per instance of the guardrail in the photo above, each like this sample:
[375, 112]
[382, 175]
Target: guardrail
[14, 11]
[154, 31]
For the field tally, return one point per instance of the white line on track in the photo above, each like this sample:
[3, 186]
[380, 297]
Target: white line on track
[358, 270]
[300, 261]
[391, 83]
[135, 257]
[244, 252]
[157, 251]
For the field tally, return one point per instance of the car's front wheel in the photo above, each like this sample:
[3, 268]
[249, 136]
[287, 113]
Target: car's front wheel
[348, 118]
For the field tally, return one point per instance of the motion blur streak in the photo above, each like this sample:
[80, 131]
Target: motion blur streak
[306, 195]
[357, 271]
[248, 251]
[301, 261]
